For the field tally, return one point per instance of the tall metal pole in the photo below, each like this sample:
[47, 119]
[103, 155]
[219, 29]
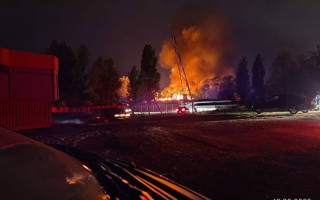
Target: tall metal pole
[180, 65]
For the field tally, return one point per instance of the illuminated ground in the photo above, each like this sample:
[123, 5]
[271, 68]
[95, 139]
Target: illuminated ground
[234, 156]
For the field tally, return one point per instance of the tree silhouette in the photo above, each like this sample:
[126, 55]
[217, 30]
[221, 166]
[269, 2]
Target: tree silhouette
[104, 81]
[227, 88]
[149, 77]
[81, 77]
[67, 67]
[210, 88]
[258, 74]
[242, 80]
[133, 88]
[313, 57]
[310, 72]
[285, 76]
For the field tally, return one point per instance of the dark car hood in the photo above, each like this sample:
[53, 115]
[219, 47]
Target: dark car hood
[126, 181]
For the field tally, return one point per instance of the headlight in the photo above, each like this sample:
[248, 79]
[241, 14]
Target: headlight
[127, 110]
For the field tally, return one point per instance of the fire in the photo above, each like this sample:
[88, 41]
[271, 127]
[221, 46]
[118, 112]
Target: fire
[171, 93]
[204, 47]
[123, 90]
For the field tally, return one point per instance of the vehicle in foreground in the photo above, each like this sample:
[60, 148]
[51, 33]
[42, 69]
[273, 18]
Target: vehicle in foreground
[290, 102]
[32, 170]
[111, 114]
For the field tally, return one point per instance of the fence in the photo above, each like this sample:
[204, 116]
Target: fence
[25, 114]
[155, 108]
[67, 109]
[139, 108]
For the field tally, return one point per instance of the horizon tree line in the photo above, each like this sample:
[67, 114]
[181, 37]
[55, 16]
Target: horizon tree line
[238, 87]
[102, 83]
[289, 73]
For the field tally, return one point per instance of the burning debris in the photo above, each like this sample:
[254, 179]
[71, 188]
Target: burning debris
[204, 46]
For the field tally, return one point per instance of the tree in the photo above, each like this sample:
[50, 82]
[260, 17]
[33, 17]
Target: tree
[104, 81]
[310, 72]
[313, 58]
[133, 87]
[285, 76]
[258, 74]
[217, 88]
[72, 72]
[210, 88]
[295, 74]
[67, 64]
[81, 77]
[123, 90]
[242, 80]
[149, 77]
[227, 88]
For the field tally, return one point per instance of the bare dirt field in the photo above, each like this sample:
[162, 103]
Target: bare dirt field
[225, 156]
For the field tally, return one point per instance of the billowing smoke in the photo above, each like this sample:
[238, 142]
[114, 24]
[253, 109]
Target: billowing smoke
[205, 47]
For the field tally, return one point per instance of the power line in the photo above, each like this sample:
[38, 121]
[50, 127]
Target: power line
[183, 76]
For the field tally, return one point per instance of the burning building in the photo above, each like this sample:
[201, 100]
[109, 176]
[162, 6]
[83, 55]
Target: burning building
[205, 49]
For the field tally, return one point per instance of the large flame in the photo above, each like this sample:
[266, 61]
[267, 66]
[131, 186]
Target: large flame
[204, 47]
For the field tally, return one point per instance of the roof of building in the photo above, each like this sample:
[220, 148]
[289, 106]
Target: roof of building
[26, 59]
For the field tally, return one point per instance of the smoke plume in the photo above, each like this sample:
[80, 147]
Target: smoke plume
[205, 47]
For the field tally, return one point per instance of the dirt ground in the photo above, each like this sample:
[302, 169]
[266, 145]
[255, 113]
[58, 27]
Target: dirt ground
[230, 156]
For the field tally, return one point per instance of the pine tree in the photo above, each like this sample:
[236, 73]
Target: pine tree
[66, 75]
[133, 88]
[104, 81]
[242, 80]
[285, 77]
[258, 74]
[81, 77]
[149, 77]
[72, 72]
[227, 88]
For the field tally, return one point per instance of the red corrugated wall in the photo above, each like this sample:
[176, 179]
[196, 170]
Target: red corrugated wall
[26, 114]
[28, 85]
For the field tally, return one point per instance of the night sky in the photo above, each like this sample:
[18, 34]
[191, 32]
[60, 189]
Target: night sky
[120, 29]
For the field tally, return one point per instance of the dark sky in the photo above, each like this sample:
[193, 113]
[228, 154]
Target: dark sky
[120, 29]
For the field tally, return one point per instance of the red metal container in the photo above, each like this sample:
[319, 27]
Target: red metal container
[28, 85]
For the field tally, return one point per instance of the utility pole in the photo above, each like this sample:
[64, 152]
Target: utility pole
[182, 73]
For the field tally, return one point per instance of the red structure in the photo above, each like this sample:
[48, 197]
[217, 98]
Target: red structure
[28, 85]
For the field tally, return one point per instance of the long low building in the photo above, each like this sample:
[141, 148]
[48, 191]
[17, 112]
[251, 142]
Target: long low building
[28, 85]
